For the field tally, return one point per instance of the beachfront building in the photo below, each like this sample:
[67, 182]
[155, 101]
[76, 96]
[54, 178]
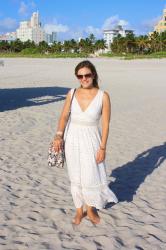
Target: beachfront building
[10, 36]
[161, 26]
[109, 35]
[51, 38]
[31, 30]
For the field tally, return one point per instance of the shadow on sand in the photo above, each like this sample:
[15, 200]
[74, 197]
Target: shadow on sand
[11, 99]
[130, 176]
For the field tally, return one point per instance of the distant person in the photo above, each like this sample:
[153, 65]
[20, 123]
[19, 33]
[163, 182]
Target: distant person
[85, 144]
[1, 63]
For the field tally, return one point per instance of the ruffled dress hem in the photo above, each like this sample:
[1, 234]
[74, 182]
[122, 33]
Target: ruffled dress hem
[96, 197]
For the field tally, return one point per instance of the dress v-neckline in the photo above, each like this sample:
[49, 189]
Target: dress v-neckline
[83, 111]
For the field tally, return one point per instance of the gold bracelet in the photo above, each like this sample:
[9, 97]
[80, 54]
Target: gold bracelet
[59, 133]
[57, 137]
[102, 148]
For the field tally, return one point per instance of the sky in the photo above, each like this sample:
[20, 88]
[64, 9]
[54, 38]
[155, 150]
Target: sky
[75, 19]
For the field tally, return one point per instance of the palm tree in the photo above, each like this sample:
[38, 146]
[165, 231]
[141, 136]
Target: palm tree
[5, 46]
[81, 45]
[100, 44]
[43, 47]
[29, 44]
[155, 41]
[92, 38]
[74, 45]
[142, 43]
[130, 42]
[163, 41]
[56, 47]
[17, 46]
[119, 44]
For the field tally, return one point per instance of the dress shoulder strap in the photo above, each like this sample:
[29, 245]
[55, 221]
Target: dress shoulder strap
[72, 92]
[101, 94]
[101, 98]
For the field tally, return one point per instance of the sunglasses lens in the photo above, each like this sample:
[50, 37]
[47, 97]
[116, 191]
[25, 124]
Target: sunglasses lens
[86, 76]
[79, 76]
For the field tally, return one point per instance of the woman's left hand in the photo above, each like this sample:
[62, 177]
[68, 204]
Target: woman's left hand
[100, 155]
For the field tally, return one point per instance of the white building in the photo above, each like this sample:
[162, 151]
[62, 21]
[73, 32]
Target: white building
[161, 26]
[10, 36]
[31, 30]
[51, 38]
[109, 35]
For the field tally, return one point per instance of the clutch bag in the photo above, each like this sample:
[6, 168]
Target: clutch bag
[57, 159]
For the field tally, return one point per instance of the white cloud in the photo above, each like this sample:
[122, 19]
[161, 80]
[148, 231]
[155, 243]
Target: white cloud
[113, 21]
[93, 30]
[7, 24]
[65, 32]
[32, 4]
[23, 10]
[148, 25]
[26, 8]
[56, 27]
[72, 33]
[123, 23]
[109, 23]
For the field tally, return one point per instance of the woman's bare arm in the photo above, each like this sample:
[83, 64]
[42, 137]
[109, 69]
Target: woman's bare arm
[64, 114]
[106, 115]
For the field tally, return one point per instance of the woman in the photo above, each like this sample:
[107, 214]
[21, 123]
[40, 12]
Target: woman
[85, 144]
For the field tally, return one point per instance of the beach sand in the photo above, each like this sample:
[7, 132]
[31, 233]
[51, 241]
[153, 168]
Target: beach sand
[36, 204]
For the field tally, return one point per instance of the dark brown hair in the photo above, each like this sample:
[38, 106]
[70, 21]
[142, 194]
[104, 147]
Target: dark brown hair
[89, 65]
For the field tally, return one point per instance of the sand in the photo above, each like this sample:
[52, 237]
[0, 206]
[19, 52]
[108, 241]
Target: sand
[36, 204]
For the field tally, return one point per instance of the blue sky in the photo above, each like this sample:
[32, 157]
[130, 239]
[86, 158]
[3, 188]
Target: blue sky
[74, 19]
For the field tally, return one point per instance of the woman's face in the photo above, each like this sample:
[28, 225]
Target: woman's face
[85, 77]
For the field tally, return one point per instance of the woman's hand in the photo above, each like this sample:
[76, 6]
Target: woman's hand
[58, 144]
[100, 155]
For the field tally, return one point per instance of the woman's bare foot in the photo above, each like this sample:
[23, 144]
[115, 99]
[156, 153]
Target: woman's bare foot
[93, 215]
[78, 217]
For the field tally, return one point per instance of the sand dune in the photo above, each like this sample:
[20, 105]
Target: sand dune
[36, 205]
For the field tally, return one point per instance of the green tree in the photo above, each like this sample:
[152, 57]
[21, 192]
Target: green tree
[100, 44]
[56, 47]
[43, 47]
[92, 38]
[66, 46]
[5, 46]
[74, 45]
[155, 41]
[130, 42]
[17, 46]
[142, 44]
[29, 44]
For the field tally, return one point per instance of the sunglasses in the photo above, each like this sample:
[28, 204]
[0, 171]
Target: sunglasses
[86, 76]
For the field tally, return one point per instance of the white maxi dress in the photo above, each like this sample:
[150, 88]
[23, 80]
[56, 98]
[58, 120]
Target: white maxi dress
[82, 140]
